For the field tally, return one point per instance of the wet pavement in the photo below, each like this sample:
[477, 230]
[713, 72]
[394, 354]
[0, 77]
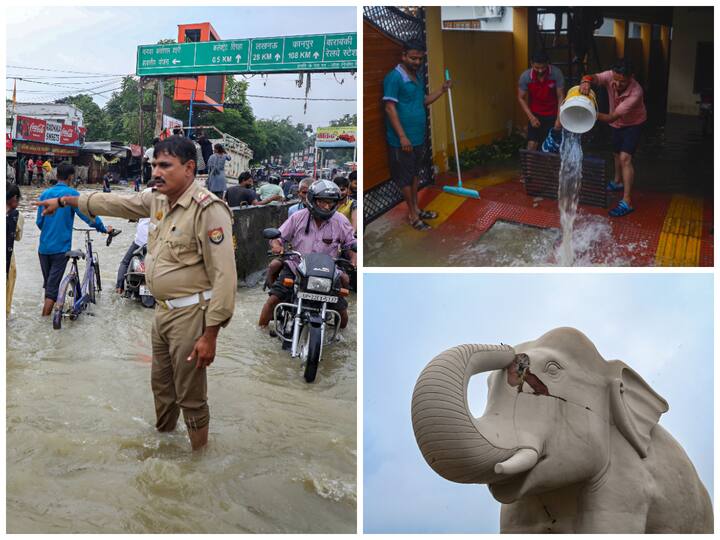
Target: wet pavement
[82, 451]
[672, 224]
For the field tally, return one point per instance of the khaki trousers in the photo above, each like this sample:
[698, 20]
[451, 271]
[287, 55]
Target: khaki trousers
[10, 286]
[176, 383]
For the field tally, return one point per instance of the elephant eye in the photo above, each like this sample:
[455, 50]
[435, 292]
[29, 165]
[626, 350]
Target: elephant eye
[552, 368]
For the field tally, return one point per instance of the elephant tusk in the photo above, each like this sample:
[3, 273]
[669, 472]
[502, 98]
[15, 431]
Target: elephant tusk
[523, 460]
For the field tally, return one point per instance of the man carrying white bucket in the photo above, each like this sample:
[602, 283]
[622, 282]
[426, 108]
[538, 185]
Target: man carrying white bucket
[627, 115]
[540, 92]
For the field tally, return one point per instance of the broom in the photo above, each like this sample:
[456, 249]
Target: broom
[459, 189]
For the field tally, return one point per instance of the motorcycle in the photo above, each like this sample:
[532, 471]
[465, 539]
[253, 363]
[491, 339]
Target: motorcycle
[308, 321]
[135, 286]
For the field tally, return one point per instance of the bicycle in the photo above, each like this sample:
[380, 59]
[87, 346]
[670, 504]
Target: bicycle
[75, 296]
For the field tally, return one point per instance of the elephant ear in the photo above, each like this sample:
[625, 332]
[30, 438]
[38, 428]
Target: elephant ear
[634, 406]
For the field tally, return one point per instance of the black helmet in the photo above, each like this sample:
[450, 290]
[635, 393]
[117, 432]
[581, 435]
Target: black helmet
[323, 189]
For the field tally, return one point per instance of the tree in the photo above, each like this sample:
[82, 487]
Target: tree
[345, 120]
[122, 113]
[93, 116]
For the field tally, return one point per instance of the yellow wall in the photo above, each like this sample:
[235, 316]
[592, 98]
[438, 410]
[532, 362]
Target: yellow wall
[484, 91]
[439, 119]
[520, 54]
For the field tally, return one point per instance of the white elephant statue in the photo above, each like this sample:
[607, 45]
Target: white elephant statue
[569, 442]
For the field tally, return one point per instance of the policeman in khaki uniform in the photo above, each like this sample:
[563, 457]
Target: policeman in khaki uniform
[190, 269]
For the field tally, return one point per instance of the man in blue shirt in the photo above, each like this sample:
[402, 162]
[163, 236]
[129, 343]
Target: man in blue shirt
[405, 121]
[56, 235]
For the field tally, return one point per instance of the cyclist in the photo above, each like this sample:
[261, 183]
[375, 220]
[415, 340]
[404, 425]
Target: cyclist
[56, 235]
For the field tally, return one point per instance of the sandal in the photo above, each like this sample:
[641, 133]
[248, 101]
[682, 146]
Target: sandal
[427, 214]
[612, 186]
[622, 209]
[420, 225]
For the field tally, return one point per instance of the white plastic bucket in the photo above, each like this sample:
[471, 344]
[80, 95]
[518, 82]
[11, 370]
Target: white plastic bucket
[578, 112]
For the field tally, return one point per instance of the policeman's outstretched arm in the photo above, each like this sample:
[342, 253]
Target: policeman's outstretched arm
[50, 205]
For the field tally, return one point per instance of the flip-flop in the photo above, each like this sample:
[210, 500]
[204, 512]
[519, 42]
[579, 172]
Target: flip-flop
[420, 225]
[612, 186]
[622, 209]
[427, 214]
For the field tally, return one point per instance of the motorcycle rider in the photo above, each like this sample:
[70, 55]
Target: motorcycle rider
[315, 229]
[277, 263]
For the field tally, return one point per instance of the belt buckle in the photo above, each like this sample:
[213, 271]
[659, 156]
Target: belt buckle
[163, 304]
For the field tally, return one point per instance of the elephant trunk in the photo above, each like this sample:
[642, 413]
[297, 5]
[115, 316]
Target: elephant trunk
[444, 428]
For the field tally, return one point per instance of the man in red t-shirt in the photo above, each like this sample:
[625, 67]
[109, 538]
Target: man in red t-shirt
[540, 93]
[626, 118]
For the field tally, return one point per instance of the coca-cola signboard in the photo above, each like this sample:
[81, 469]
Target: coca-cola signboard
[48, 132]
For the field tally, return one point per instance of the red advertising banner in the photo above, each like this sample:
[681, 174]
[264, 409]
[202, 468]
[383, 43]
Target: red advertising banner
[42, 131]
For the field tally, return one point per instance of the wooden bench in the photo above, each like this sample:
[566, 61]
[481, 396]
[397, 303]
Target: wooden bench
[539, 171]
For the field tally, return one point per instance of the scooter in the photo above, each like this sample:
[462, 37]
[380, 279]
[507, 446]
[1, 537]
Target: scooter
[308, 322]
[135, 286]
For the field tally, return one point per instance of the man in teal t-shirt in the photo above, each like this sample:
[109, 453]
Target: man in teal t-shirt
[405, 119]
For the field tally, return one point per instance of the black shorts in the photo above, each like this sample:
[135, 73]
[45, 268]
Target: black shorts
[285, 293]
[404, 166]
[540, 133]
[53, 268]
[626, 139]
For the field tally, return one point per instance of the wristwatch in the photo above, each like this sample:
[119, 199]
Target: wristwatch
[61, 204]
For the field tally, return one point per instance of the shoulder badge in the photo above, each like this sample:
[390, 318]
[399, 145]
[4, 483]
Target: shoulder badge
[216, 235]
[203, 198]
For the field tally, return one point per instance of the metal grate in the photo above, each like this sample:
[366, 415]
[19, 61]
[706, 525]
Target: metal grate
[396, 23]
[379, 200]
[539, 171]
[402, 25]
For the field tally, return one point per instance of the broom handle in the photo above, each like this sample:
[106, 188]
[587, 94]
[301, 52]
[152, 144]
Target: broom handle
[452, 123]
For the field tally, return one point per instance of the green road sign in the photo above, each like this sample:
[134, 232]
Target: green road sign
[321, 52]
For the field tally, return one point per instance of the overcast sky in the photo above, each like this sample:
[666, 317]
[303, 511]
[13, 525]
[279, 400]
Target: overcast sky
[104, 40]
[659, 324]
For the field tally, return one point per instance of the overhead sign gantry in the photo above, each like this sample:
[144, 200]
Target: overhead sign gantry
[309, 53]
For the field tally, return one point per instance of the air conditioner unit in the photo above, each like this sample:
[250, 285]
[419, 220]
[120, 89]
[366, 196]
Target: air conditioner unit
[489, 12]
[467, 13]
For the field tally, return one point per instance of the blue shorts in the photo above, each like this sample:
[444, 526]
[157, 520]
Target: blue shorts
[53, 268]
[626, 139]
[540, 133]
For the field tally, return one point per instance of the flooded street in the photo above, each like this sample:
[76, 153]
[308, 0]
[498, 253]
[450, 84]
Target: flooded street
[82, 451]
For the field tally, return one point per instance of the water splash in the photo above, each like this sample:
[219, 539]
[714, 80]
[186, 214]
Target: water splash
[569, 182]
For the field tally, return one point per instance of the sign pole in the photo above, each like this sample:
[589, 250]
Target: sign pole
[192, 100]
[159, 106]
[140, 122]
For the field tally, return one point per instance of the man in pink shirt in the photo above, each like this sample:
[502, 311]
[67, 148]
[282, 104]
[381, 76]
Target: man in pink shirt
[626, 117]
[318, 228]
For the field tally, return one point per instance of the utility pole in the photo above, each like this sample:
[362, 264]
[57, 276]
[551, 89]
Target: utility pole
[159, 106]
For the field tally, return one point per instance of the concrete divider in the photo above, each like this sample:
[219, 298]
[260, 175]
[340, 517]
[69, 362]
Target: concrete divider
[250, 247]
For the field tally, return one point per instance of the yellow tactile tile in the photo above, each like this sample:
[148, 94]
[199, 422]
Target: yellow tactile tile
[679, 243]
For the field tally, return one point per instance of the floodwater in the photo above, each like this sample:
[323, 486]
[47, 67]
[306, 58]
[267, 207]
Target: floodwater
[82, 451]
[504, 244]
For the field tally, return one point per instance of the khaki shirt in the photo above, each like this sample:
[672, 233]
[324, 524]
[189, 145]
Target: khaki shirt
[190, 246]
